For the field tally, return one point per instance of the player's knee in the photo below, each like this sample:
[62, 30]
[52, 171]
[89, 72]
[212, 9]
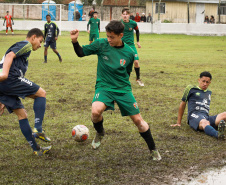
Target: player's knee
[22, 114]
[136, 63]
[95, 113]
[203, 123]
[41, 93]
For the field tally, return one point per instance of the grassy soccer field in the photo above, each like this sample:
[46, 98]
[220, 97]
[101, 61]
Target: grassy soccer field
[168, 64]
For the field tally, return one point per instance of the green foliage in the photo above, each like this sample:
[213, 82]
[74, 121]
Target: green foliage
[167, 21]
[168, 64]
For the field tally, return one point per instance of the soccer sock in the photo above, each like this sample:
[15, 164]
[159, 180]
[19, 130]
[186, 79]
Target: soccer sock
[45, 57]
[137, 70]
[99, 126]
[58, 54]
[39, 109]
[27, 132]
[11, 29]
[6, 31]
[149, 139]
[209, 130]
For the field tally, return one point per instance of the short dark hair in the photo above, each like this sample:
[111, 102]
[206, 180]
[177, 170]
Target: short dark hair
[35, 31]
[95, 12]
[115, 26]
[7, 11]
[126, 9]
[48, 15]
[206, 74]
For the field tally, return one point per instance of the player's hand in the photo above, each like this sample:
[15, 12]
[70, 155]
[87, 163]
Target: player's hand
[74, 35]
[56, 38]
[2, 106]
[88, 31]
[138, 44]
[176, 125]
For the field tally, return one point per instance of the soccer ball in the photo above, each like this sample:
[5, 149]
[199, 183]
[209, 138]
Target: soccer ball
[80, 133]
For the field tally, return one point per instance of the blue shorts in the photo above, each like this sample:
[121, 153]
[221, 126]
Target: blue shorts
[51, 43]
[12, 89]
[194, 120]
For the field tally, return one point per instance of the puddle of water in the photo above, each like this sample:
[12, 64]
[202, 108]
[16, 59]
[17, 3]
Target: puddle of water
[214, 177]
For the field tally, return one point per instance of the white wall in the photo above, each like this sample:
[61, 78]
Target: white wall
[159, 28]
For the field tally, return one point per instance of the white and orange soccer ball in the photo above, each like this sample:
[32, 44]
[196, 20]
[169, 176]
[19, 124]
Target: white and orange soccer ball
[80, 133]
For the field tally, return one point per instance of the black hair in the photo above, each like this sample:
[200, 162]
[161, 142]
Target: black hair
[206, 74]
[95, 12]
[126, 9]
[115, 26]
[35, 31]
[48, 15]
[7, 11]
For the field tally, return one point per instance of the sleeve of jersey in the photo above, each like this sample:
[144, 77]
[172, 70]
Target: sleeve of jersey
[186, 93]
[21, 48]
[91, 49]
[130, 66]
[135, 26]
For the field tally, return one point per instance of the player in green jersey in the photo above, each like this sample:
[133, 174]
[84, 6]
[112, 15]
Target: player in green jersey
[94, 23]
[128, 38]
[115, 60]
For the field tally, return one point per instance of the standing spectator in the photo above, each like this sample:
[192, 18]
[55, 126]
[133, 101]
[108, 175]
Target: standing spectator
[9, 22]
[149, 18]
[137, 18]
[131, 16]
[212, 20]
[206, 20]
[91, 13]
[143, 18]
[84, 17]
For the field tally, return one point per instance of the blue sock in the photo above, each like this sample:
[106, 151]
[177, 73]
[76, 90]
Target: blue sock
[45, 57]
[27, 132]
[39, 109]
[209, 130]
[58, 54]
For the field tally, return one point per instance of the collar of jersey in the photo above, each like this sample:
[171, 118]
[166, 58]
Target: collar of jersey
[49, 23]
[201, 89]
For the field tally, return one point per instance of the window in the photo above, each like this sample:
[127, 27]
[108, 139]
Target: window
[162, 7]
[222, 9]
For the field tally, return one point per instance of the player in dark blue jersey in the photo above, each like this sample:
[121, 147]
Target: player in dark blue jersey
[51, 32]
[198, 98]
[13, 85]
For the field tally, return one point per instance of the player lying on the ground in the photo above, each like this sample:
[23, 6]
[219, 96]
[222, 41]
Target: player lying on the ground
[198, 98]
[13, 85]
[115, 60]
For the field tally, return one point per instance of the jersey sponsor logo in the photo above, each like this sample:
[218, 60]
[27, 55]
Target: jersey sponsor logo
[197, 94]
[51, 26]
[122, 62]
[135, 105]
[195, 116]
[25, 80]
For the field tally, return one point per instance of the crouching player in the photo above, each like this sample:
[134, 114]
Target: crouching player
[13, 85]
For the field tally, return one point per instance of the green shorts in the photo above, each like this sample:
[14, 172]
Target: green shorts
[135, 51]
[93, 36]
[126, 101]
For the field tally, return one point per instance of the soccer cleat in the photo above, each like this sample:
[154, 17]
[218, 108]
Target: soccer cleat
[96, 141]
[140, 82]
[221, 130]
[42, 150]
[41, 135]
[45, 62]
[60, 59]
[155, 155]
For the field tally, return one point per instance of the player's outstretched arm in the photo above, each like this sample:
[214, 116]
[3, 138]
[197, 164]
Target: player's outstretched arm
[74, 35]
[180, 114]
[2, 106]
[6, 65]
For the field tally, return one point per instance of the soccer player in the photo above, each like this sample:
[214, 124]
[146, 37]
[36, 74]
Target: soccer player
[9, 22]
[128, 38]
[94, 23]
[13, 85]
[50, 37]
[115, 60]
[198, 98]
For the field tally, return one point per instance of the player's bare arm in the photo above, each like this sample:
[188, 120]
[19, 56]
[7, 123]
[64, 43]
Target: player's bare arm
[2, 106]
[74, 35]
[138, 44]
[6, 66]
[180, 114]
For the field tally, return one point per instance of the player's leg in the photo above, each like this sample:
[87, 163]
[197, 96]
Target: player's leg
[91, 38]
[39, 108]
[219, 122]
[53, 46]
[145, 133]
[45, 53]
[207, 128]
[12, 29]
[97, 119]
[6, 31]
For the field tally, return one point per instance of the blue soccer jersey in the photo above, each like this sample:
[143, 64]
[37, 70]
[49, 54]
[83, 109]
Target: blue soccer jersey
[51, 31]
[198, 100]
[20, 63]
